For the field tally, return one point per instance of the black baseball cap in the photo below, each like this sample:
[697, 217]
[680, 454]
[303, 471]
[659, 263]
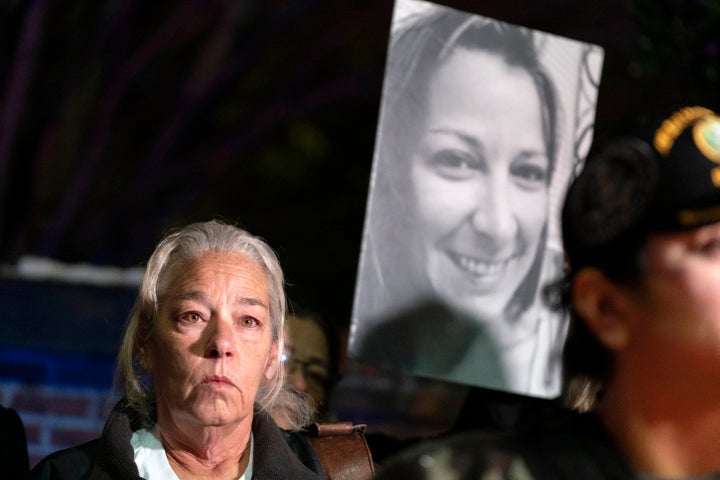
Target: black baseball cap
[634, 186]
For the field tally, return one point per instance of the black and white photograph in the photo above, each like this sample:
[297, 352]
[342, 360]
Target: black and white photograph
[482, 124]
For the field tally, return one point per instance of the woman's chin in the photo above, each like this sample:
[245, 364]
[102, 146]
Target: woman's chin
[479, 308]
[483, 312]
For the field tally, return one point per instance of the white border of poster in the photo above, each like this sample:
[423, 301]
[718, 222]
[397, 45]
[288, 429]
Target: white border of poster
[469, 172]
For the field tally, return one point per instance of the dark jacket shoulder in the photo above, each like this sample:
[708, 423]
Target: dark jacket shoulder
[553, 444]
[13, 446]
[71, 463]
[280, 454]
[572, 445]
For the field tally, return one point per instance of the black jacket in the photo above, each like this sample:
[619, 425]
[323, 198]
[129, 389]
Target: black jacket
[278, 455]
[14, 461]
[573, 446]
[566, 446]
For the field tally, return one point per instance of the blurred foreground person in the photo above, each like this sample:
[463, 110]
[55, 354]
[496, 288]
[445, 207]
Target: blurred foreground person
[641, 227]
[199, 365]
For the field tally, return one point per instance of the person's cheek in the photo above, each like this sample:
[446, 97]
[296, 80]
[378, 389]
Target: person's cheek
[437, 214]
[531, 210]
[454, 202]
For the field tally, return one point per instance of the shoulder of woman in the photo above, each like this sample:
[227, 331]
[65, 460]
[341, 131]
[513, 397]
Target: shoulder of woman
[282, 454]
[70, 463]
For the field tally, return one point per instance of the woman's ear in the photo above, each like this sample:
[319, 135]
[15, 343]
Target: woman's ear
[143, 345]
[272, 362]
[145, 356]
[602, 305]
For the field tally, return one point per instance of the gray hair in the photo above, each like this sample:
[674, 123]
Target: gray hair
[177, 248]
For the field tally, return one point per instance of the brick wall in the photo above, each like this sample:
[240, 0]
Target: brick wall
[56, 417]
[61, 398]
[58, 342]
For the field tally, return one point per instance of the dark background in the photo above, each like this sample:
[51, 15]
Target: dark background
[122, 119]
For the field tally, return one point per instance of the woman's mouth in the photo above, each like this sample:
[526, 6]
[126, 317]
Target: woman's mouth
[477, 267]
[217, 380]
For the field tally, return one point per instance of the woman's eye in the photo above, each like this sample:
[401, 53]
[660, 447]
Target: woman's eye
[248, 322]
[454, 164]
[711, 247]
[191, 317]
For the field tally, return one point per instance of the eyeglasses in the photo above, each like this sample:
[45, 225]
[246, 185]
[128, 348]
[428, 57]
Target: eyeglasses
[312, 370]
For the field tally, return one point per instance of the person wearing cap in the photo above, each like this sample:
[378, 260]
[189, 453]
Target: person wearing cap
[641, 231]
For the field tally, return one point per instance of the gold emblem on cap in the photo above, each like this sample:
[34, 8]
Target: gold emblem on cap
[672, 127]
[694, 218]
[706, 134]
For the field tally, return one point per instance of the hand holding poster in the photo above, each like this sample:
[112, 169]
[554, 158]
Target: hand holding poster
[481, 125]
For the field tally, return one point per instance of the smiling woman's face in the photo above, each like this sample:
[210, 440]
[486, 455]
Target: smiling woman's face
[480, 181]
[211, 346]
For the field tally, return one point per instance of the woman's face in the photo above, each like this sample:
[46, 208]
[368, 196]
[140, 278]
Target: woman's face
[480, 175]
[212, 346]
[676, 311]
[309, 362]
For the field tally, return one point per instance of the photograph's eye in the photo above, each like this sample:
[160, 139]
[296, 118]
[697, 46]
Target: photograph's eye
[454, 164]
[529, 175]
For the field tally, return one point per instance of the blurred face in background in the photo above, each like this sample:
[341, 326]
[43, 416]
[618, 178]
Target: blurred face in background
[480, 181]
[308, 362]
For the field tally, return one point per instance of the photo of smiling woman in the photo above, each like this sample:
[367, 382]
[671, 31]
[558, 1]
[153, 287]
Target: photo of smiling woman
[454, 252]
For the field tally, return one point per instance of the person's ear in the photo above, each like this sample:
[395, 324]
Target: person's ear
[602, 305]
[144, 356]
[143, 347]
[272, 362]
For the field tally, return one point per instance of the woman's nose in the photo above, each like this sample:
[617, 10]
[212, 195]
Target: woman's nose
[220, 338]
[493, 218]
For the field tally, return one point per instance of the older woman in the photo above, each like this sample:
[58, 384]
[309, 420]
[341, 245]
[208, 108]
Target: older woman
[199, 364]
[458, 220]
